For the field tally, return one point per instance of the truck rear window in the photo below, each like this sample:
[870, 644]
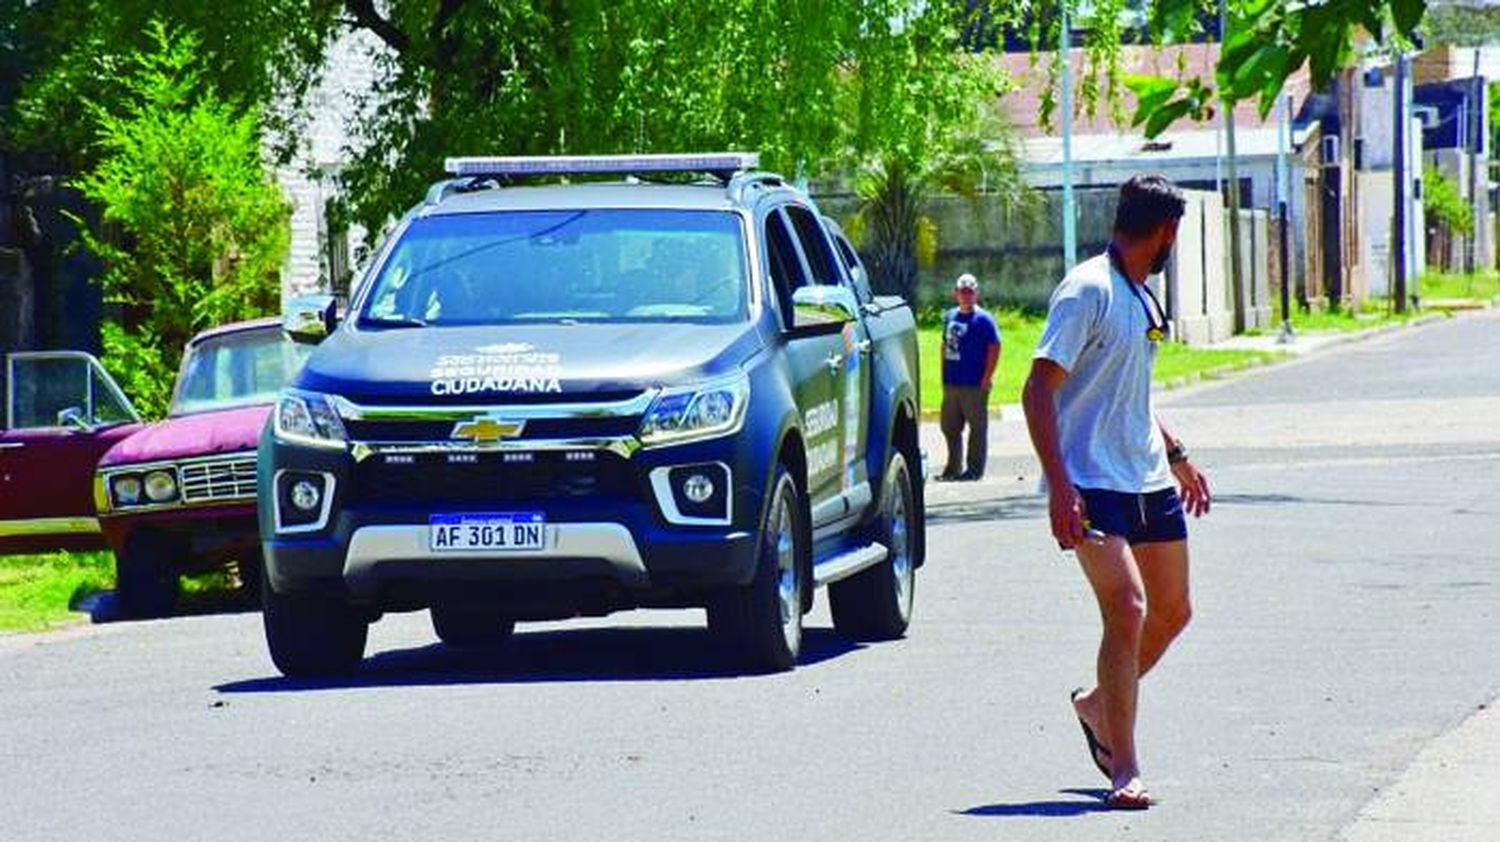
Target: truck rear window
[510, 267]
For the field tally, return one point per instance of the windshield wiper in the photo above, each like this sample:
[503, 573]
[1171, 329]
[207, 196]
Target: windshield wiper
[392, 321]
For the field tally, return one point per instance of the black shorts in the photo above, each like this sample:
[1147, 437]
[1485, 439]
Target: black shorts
[1150, 518]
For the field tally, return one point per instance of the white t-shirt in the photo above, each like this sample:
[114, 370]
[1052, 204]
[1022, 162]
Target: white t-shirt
[1096, 330]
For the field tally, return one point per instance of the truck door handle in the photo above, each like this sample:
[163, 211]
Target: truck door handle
[834, 361]
[862, 346]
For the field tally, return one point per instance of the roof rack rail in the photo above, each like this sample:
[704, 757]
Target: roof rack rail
[721, 165]
[447, 187]
[746, 180]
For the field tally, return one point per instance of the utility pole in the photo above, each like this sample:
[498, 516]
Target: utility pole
[1236, 281]
[1472, 141]
[1283, 213]
[1069, 212]
[1399, 127]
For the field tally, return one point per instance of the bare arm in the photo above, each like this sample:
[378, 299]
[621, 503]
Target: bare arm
[991, 361]
[1196, 497]
[1038, 399]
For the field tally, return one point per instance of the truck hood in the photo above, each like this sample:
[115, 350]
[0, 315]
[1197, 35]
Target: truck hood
[187, 436]
[529, 364]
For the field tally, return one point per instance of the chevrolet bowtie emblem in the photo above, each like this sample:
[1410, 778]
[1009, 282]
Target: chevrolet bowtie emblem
[485, 430]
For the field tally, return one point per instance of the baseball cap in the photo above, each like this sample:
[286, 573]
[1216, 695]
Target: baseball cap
[966, 281]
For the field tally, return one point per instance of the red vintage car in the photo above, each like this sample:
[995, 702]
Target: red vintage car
[62, 412]
[178, 496]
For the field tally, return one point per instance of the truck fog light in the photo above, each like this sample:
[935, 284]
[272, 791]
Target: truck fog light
[698, 488]
[306, 495]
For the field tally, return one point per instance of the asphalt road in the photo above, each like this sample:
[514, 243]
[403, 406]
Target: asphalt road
[1346, 590]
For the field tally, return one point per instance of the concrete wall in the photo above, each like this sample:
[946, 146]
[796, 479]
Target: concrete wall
[1197, 284]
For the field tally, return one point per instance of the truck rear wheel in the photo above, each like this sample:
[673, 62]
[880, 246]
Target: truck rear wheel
[762, 621]
[468, 626]
[146, 581]
[876, 603]
[311, 635]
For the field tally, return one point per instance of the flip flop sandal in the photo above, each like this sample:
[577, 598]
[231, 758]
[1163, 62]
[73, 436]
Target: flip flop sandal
[1129, 799]
[1096, 748]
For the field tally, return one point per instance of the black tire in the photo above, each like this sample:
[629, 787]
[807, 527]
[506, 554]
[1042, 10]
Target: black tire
[146, 579]
[310, 635]
[762, 621]
[467, 626]
[876, 603]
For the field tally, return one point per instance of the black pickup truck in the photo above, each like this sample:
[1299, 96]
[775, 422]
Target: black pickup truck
[548, 400]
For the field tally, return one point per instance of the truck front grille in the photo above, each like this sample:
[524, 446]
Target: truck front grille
[477, 480]
[227, 478]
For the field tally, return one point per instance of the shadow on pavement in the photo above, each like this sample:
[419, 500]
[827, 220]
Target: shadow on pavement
[1050, 808]
[622, 654]
[104, 607]
[995, 508]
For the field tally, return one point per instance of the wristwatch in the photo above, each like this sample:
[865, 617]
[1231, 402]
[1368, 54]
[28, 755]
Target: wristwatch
[1176, 453]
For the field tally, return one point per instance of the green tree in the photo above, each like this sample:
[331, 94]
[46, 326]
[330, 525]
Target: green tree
[816, 91]
[63, 54]
[1268, 40]
[194, 230]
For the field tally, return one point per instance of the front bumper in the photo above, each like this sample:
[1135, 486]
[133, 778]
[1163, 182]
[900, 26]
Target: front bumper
[610, 536]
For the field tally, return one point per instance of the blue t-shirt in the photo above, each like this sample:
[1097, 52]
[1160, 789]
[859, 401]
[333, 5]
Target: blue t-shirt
[966, 343]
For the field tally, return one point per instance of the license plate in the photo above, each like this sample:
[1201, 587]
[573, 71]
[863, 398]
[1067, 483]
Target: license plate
[492, 531]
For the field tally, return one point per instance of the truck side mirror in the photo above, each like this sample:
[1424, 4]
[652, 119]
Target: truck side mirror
[310, 318]
[822, 309]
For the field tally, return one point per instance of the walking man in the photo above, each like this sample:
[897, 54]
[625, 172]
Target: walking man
[1109, 466]
[971, 350]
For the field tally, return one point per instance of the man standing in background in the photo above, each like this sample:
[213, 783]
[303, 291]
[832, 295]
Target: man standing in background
[971, 351]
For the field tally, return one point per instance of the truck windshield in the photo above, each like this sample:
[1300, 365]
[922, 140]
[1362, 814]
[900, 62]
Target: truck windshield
[513, 267]
[237, 369]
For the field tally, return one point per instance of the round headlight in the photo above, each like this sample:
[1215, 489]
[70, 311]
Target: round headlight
[306, 495]
[127, 490]
[161, 486]
[698, 488]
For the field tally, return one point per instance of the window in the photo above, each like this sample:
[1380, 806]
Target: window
[856, 269]
[530, 267]
[243, 368]
[43, 385]
[814, 244]
[786, 268]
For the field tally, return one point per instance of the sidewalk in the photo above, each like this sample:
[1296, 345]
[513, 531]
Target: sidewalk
[1450, 792]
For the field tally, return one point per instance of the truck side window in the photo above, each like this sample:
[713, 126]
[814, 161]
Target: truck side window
[786, 269]
[815, 245]
[856, 269]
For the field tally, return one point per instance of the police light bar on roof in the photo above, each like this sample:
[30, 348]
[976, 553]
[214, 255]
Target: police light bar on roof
[719, 163]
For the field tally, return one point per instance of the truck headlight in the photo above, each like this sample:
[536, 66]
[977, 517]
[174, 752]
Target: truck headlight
[126, 489]
[161, 486]
[695, 412]
[308, 418]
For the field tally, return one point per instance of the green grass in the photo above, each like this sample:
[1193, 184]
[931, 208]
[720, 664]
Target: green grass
[1019, 332]
[1375, 313]
[39, 591]
[1482, 286]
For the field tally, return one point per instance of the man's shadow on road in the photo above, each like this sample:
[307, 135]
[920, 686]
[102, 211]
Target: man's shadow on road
[1052, 808]
[595, 654]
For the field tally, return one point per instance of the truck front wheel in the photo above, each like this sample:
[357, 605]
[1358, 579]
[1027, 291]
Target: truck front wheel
[311, 635]
[762, 621]
[876, 604]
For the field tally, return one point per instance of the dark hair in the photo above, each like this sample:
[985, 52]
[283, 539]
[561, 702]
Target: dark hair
[1146, 203]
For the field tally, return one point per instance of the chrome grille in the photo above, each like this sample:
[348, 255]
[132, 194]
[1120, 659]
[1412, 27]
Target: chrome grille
[228, 478]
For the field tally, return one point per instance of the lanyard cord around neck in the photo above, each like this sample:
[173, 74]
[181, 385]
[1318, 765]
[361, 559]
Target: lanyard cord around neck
[1152, 317]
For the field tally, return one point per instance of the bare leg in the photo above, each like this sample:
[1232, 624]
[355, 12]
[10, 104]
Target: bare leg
[1116, 580]
[1164, 570]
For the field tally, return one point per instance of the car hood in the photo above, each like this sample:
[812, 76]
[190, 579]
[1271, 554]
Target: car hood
[522, 363]
[186, 436]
